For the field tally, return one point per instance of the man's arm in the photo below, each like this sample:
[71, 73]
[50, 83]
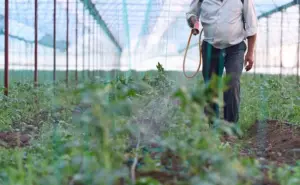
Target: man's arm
[251, 44]
[193, 13]
[251, 31]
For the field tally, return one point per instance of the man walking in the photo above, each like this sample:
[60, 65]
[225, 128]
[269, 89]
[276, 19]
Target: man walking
[226, 25]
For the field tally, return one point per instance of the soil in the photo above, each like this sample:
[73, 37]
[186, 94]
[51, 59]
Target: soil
[14, 139]
[273, 141]
[162, 177]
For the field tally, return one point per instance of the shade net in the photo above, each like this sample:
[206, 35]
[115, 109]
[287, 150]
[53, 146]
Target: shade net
[129, 35]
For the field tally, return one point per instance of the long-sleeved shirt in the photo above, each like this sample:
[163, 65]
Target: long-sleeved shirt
[222, 20]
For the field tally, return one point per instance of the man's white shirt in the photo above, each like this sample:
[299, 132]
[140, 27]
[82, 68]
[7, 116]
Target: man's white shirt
[222, 20]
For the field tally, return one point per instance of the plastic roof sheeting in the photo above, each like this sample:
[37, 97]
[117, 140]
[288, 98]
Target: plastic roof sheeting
[263, 6]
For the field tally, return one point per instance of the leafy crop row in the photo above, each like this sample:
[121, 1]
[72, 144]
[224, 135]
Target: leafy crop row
[108, 132]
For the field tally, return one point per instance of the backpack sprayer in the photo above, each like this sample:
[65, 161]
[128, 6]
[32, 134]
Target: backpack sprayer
[194, 31]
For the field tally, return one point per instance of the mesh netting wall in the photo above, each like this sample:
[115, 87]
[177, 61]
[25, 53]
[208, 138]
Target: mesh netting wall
[93, 36]
[69, 38]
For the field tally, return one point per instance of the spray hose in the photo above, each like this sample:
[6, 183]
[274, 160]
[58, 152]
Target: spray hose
[194, 30]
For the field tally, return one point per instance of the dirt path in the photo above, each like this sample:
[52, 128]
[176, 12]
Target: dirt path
[273, 141]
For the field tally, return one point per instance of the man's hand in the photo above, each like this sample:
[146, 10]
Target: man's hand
[194, 24]
[249, 60]
[191, 21]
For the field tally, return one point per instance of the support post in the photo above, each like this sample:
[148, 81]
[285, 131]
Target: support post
[54, 41]
[76, 43]
[255, 62]
[6, 44]
[67, 44]
[267, 40]
[83, 33]
[94, 49]
[35, 43]
[97, 51]
[298, 62]
[127, 33]
[281, 42]
[89, 45]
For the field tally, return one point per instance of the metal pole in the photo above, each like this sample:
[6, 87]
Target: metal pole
[97, 50]
[102, 63]
[281, 41]
[67, 49]
[54, 41]
[6, 44]
[76, 40]
[298, 63]
[35, 42]
[83, 33]
[267, 40]
[255, 58]
[89, 42]
[94, 49]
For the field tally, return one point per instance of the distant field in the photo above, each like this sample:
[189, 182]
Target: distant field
[47, 76]
[262, 95]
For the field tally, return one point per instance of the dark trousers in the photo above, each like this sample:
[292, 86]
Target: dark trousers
[214, 62]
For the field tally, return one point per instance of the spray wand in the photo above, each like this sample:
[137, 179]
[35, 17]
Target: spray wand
[194, 31]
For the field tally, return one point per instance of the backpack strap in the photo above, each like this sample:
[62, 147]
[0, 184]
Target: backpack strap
[243, 18]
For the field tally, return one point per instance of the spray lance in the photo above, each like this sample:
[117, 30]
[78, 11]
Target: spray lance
[194, 31]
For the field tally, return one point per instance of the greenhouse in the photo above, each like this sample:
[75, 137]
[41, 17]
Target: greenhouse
[115, 92]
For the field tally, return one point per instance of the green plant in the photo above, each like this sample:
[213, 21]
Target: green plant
[106, 131]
